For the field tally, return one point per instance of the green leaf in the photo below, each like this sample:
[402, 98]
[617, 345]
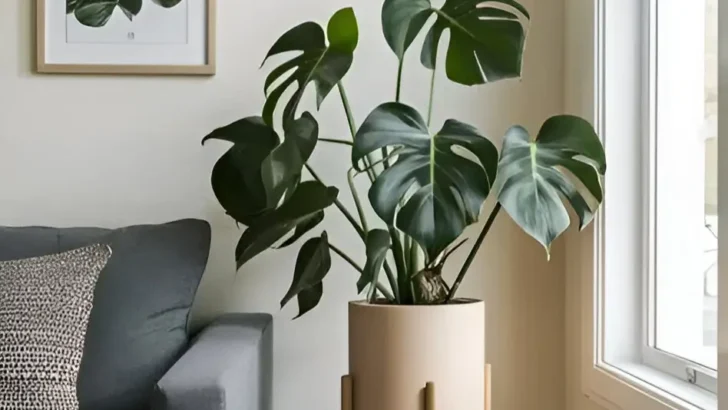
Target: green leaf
[95, 13]
[402, 21]
[71, 5]
[303, 229]
[486, 42]
[565, 160]
[441, 191]
[236, 177]
[307, 201]
[312, 265]
[130, 7]
[309, 299]
[378, 243]
[167, 3]
[318, 63]
[281, 170]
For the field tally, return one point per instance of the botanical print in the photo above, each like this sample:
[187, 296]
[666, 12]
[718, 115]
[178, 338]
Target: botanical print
[96, 13]
[127, 21]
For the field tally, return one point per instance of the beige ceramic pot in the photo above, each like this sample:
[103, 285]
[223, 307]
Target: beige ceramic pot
[394, 351]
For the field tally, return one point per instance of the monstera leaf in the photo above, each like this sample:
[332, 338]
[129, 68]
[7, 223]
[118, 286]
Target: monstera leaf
[281, 170]
[325, 65]
[312, 265]
[96, 13]
[487, 37]
[442, 190]
[306, 203]
[237, 177]
[378, 243]
[71, 5]
[566, 160]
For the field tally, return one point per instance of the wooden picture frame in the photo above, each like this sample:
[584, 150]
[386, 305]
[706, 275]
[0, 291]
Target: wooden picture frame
[208, 68]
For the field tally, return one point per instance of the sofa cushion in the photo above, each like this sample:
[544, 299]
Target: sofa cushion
[138, 325]
[45, 303]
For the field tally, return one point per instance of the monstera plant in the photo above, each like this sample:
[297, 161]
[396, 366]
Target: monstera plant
[96, 13]
[428, 182]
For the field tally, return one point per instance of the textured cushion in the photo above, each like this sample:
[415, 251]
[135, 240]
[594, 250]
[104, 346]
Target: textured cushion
[138, 326]
[45, 304]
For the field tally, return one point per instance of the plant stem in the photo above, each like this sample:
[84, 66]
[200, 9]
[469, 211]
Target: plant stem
[352, 127]
[357, 201]
[340, 206]
[359, 269]
[432, 96]
[335, 141]
[400, 69]
[405, 296]
[413, 257]
[473, 252]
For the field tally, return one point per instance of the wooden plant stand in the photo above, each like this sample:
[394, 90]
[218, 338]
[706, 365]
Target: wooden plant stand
[347, 392]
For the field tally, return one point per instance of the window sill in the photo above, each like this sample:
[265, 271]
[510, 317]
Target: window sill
[661, 387]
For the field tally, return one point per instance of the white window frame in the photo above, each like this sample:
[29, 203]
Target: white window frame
[618, 71]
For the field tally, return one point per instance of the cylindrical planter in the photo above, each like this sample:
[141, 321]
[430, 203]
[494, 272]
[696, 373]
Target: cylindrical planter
[394, 351]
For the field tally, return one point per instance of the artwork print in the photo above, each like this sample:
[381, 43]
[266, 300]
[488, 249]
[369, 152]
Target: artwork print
[127, 21]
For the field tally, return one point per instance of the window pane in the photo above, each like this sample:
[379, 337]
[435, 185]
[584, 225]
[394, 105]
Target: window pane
[685, 198]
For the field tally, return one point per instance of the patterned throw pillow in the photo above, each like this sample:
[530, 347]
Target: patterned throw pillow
[45, 304]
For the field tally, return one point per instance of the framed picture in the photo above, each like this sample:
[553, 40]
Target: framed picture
[160, 37]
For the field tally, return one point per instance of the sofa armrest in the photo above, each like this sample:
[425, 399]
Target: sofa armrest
[227, 367]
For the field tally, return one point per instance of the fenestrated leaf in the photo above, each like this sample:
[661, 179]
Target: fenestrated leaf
[281, 170]
[307, 201]
[236, 177]
[486, 36]
[312, 265]
[95, 13]
[402, 20]
[534, 177]
[167, 3]
[378, 243]
[449, 189]
[303, 229]
[486, 42]
[318, 63]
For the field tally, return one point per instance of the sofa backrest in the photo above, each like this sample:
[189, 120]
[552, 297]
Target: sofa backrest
[139, 323]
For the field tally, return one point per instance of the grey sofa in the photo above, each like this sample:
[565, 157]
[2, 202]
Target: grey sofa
[139, 352]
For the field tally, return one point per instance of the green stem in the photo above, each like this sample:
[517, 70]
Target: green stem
[432, 96]
[405, 294]
[473, 252]
[391, 155]
[340, 206]
[357, 201]
[387, 294]
[400, 69]
[335, 141]
[413, 257]
[352, 127]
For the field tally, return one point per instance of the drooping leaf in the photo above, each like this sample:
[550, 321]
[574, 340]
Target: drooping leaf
[312, 265]
[402, 20]
[281, 170]
[309, 198]
[167, 3]
[95, 13]
[236, 178]
[378, 243]
[130, 8]
[536, 174]
[309, 299]
[449, 188]
[324, 65]
[303, 229]
[486, 42]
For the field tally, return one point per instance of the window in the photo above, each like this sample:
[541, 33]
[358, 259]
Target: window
[682, 206]
[648, 280]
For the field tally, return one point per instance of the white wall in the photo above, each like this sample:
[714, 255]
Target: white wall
[85, 150]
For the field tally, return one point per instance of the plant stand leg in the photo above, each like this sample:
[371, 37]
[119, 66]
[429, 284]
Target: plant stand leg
[347, 398]
[487, 387]
[430, 396]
